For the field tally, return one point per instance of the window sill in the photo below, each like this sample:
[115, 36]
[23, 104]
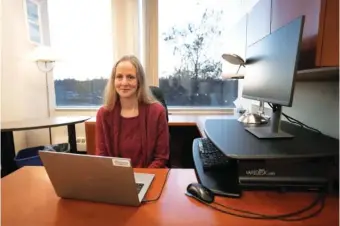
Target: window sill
[201, 111]
[87, 108]
[172, 110]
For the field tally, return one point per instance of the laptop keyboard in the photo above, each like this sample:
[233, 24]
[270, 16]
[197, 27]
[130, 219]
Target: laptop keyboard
[139, 187]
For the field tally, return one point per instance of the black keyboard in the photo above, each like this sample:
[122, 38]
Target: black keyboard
[139, 187]
[211, 156]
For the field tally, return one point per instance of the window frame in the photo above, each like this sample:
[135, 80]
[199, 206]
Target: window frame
[37, 23]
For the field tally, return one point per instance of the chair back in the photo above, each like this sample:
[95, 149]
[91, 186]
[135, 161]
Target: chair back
[158, 94]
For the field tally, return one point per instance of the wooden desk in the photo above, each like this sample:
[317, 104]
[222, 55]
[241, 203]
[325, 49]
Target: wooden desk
[196, 121]
[28, 199]
[7, 139]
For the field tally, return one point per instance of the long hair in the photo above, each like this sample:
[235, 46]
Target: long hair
[144, 95]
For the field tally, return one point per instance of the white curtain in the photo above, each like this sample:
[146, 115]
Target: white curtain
[135, 31]
[125, 28]
[149, 30]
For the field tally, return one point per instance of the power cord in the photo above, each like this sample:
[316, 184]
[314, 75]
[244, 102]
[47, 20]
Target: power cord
[154, 200]
[296, 122]
[252, 215]
[283, 217]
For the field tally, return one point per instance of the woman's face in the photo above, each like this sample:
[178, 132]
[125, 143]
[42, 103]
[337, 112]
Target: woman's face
[126, 82]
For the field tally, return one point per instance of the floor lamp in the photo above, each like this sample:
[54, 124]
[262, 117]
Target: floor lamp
[45, 60]
[247, 117]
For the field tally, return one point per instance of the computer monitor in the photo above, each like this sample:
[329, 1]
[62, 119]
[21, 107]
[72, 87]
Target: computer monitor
[271, 67]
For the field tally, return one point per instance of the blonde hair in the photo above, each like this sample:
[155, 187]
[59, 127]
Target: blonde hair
[143, 92]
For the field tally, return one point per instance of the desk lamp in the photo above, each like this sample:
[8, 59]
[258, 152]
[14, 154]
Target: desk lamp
[247, 117]
[235, 60]
[45, 59]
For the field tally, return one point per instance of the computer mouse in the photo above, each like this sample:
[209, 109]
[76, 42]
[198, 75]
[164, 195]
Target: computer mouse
[200, 192]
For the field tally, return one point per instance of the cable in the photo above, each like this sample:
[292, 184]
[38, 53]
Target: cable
[301, 124]
[282, 217]
[154, 200]
[268, 217]
[253, 215]
[319, 198]
[314, 214]
[296, 122]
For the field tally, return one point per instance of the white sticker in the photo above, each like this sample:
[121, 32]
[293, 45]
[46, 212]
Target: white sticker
[121, 162]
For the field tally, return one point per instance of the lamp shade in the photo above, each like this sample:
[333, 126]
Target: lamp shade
[233, 59]
[44, 54]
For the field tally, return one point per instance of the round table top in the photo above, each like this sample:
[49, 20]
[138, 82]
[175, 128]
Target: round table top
[39, 123]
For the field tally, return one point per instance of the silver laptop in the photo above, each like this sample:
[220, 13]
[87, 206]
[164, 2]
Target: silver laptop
[95, 178]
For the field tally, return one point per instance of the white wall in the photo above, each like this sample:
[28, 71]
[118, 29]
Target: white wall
[23, 86]
[16, 71]
[316, 104]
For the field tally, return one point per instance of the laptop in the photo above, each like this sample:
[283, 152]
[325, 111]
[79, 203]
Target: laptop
[95, 178]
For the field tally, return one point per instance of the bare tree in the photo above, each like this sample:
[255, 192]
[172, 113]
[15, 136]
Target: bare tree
[192, 45]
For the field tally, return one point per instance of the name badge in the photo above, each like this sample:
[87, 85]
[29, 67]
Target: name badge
[121, 162]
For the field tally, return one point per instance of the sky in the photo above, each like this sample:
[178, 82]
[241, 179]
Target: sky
[179, 13]
[80, 31]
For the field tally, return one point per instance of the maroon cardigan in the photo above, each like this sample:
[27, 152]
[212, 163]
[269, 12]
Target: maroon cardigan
[155, 140]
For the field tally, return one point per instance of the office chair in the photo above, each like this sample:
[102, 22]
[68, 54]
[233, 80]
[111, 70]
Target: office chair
[158, 94]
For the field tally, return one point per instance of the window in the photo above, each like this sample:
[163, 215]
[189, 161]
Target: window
[81, 32]
[190, 48]
[192, 38]
[33, 21]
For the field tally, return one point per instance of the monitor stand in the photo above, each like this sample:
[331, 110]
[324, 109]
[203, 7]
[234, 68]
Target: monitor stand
[273, 130]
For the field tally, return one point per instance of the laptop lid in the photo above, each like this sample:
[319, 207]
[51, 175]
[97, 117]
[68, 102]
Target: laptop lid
[91, 178]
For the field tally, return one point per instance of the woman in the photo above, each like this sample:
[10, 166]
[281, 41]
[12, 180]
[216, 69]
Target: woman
[132, 124]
